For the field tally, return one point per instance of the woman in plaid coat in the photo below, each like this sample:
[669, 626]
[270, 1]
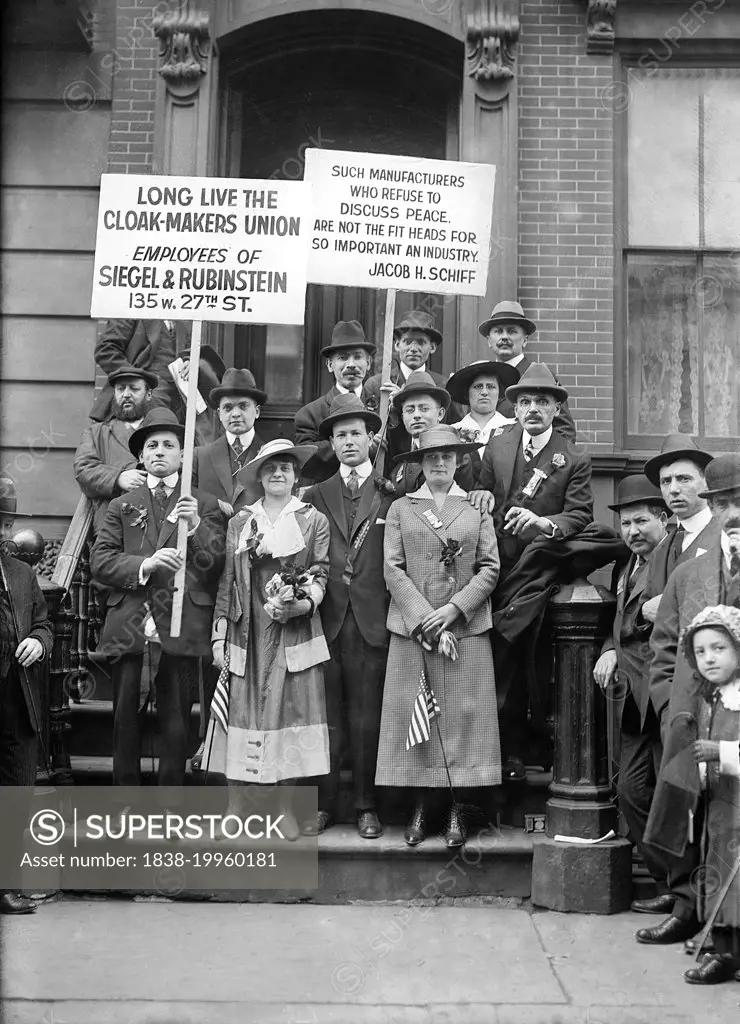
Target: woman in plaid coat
[441, 566]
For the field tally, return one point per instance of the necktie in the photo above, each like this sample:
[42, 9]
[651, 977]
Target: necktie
[160, 497]
[353, 482]
[676, 548]
[529, 451]
[238, 449]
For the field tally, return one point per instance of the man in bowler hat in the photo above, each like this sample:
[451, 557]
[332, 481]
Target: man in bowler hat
[354, 609]
[622, 672]
[507, 331]
[217, 467]
[674, 826]
[134, 555]
[26, 638]
[541, 485]
[348, 358]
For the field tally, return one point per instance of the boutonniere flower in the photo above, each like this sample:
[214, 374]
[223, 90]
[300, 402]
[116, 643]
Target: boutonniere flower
[467, 434]
[451, 551]
[385, 486]
[497, 431]
[252, 544]
[558, 460]
[140, 515]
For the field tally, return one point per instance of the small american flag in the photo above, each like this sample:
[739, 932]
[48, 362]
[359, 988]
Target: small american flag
[425, 710]
[220, 702]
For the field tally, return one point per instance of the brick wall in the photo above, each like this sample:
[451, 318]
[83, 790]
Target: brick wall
[566, 215]
[135, 62]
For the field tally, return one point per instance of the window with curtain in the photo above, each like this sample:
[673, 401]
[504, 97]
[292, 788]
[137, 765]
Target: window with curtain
[682, 257]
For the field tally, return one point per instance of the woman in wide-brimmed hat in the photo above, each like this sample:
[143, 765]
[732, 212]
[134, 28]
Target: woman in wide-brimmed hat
[441, 566]
[271, 728]
[479, 386]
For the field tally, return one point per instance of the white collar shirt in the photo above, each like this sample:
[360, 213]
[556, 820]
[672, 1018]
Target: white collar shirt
[538, 441]
[246, 439]
[345, 391]
[363, 471]
[170, 482]
[693, 525]
[407, 371]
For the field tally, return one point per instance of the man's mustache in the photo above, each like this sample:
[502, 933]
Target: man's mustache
[733, 523]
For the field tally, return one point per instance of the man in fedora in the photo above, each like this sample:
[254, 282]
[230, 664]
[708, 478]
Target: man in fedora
[136, 557]
[679, 472]
[507, 331]
[622, 672]
[348, 358]
[354, 608]
[541, 485]
[26, 638]
[420, 404]
[479, 386]
[103, 464]
[674, 826]
[217, 467]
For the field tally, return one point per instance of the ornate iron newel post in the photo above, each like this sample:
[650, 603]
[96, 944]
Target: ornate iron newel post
[568, 876]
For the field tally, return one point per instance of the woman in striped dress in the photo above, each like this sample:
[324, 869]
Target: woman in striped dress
[441, 566]
[268, 725]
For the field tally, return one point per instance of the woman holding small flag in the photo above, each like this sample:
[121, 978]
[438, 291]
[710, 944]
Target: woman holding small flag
[268, 714]
[439, 726]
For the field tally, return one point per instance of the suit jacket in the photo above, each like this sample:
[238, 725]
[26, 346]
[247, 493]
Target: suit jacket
[324, 463]
[564, 497]
[454, 412]
[212, 474]
[658, 574]
[562, 422]
[146, 344]
[116, 558]
[691, 587]
[366, 595]
[631, 645]
[101, 457]
[419, 582]
[28, 603]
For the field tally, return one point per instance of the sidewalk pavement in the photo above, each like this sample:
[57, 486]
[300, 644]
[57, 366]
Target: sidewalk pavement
[115, 962]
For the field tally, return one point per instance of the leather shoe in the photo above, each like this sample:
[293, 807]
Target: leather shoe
[711, 971]
[368, 825]
[15, 903]
[673, 929]
[323, 821]
[416, 830]
[455, 831]
[514, 770]
[662, 904]
[690, 947]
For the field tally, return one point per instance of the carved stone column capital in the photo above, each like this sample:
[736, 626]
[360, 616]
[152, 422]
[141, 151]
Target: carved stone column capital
[600, 18]
[184, 46]
[492, 33]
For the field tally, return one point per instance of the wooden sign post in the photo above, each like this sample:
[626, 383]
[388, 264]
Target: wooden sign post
[186, 476]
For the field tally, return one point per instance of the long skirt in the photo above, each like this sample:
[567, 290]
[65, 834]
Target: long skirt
[466, 694]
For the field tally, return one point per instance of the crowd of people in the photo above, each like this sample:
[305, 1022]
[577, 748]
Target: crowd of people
[372, 595]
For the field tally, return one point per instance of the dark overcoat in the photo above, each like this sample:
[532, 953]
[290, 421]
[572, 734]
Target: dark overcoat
[145, 344]
[366, 593]
[212, 473]
[102, 455]
[659, 572]
[630, 643]
[121, 547]
[28, 603]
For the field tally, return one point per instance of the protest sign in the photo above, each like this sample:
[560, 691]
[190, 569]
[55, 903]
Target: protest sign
[184, 248]
[401, 222]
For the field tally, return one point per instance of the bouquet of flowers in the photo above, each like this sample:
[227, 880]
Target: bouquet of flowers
[468, 435]
[289, 584]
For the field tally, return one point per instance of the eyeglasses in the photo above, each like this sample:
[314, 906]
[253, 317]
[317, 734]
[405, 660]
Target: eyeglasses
[479, 388]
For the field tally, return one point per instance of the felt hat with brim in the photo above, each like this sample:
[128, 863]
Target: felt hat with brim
[211, 357]
[675, 447]
[459, 383]
[347, 334]
[9, 499]
[348, 407]
[637, 490]
[237, 382]
[128, 371]
[537, 377]
[421, 383]
[418, 320]
[278, 448]
[507, 312]
[155, 419]
[437, 439]
[718, 616]
[722, 475]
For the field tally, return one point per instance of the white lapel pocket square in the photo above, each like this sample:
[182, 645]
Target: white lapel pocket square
[701, 551]
[380, 522]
